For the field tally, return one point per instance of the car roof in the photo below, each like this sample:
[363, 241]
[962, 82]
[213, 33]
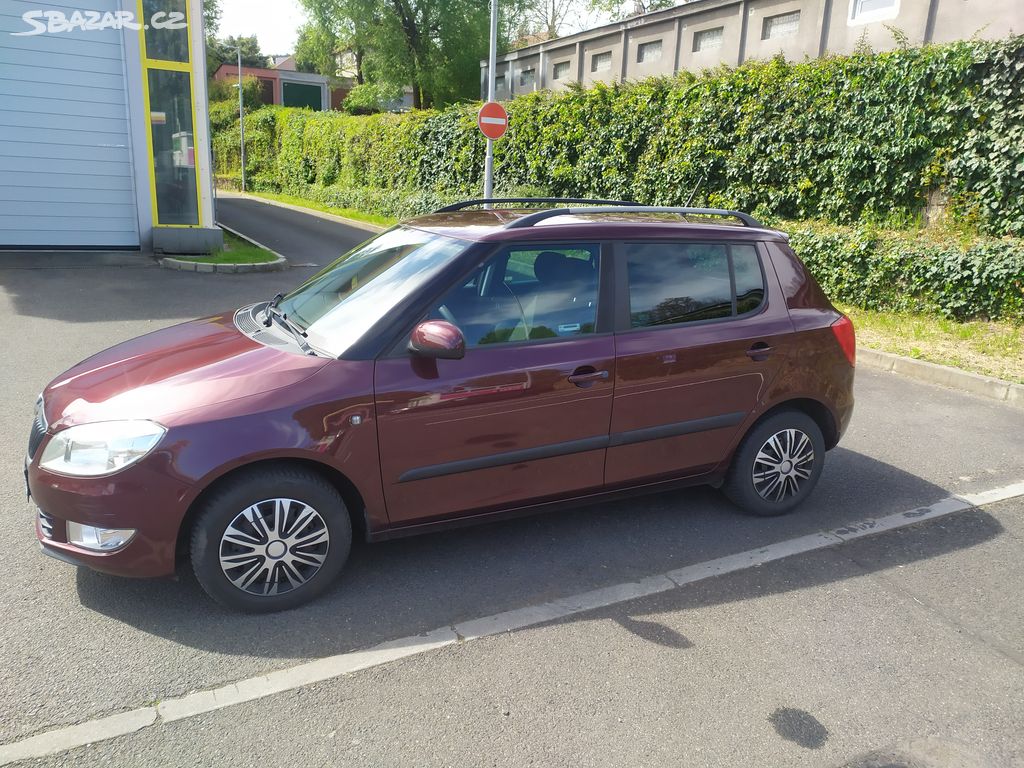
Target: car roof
[491, 226]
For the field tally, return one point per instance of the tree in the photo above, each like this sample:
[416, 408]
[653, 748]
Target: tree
[434, 46]
[624, 9]
[546, 19]
[211, 17]
[224, 51]
[317, 50]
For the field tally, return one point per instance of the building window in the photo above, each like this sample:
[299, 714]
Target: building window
[708, 39]
[783, 25]
[561, 70]
[527, 78]
[864, 11]
[647, 53]
[167, 41]
[601, 62]
[499, 82]
[174, 155]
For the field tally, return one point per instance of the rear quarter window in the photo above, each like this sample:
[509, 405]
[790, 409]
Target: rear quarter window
[749, 278]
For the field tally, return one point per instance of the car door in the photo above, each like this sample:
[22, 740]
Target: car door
[524, 416]
[701, 332]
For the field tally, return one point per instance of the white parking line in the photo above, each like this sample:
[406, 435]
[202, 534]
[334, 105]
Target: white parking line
[331, 667]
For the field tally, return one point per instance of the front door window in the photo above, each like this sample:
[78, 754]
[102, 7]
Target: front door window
[528, 293]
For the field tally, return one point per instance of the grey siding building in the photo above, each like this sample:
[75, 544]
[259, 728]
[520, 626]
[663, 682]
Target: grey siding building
[104, 135]
[706, 33]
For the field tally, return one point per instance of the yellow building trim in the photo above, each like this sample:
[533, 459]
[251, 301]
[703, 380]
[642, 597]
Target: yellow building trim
[177, 66]
[174, 66]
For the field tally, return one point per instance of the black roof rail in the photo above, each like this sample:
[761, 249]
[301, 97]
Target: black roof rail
[501, 200]
[533, 218]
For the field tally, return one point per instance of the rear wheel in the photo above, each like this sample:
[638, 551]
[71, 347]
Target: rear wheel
[271, 540]
[777, 464]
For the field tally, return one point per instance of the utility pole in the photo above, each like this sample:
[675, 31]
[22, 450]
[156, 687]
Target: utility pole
[492, 64]
[241, 115]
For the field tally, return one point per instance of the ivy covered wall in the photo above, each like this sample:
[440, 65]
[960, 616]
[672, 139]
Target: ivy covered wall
[842, 151]
[855, 138]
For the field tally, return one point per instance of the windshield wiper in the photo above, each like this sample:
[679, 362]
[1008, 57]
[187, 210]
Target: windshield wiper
[297, 332]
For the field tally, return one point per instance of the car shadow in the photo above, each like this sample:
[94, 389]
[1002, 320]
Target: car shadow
[410, 586]
[860, 557]
[91, 294]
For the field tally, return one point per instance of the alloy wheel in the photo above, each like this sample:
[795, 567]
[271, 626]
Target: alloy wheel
[274, 546]
[783, 463]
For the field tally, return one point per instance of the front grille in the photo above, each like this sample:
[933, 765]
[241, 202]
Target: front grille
[38, 431]
[46, 524]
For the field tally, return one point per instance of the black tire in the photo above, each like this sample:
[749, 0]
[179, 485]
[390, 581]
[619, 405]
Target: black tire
[740, 486]
[260, 490]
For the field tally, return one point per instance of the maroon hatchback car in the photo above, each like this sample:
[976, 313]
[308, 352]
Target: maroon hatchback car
[468, 364]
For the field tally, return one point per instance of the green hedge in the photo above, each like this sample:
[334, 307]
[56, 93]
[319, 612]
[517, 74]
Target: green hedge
[859, 141]
[854, 138]
[898, 271]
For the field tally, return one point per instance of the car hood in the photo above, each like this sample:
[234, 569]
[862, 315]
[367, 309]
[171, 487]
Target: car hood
[172, 371]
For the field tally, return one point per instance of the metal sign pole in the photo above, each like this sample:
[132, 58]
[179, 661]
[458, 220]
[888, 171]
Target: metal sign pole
[491, 66]
[241, 115]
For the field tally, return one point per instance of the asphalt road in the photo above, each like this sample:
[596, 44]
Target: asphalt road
[300, 238]
[906, 641]
[902, 651]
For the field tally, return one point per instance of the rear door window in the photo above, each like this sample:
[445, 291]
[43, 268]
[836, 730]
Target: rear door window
[674, 283]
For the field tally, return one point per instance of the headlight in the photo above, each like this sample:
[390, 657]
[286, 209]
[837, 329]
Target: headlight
[101, 448]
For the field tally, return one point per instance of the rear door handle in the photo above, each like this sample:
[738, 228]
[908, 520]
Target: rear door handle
[759, 351]
[584, 377]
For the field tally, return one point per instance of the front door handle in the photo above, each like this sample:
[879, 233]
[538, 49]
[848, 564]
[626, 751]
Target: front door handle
[587, 376]
[759, 351]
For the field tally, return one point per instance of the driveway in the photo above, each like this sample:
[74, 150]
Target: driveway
[302, 238]
[909, 640]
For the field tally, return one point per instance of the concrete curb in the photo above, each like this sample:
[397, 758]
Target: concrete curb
[181, 265]
[944, 376]
[312, 212]
[184, 265]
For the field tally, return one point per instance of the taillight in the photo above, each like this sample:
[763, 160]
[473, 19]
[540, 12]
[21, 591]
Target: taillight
[847, 338]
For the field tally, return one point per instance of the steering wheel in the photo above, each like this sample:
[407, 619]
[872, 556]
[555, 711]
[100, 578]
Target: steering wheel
[447, 314]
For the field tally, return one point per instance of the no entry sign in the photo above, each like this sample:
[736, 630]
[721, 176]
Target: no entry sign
[493, 120]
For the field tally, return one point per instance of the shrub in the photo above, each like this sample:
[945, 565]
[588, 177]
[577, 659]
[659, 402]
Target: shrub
[370, 98]
[982, 278]
[226, 90]
[860, 141]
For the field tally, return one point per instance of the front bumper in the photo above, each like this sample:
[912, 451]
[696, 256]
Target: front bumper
[140, 497]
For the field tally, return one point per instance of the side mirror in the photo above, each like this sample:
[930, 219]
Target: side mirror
[437, 339]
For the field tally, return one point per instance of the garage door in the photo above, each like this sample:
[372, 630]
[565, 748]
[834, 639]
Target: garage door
[65, 163]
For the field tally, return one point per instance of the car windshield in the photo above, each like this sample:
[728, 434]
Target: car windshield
[338, 305]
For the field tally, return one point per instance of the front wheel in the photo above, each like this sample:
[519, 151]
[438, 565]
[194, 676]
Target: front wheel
[270, 540]
[777, 465]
